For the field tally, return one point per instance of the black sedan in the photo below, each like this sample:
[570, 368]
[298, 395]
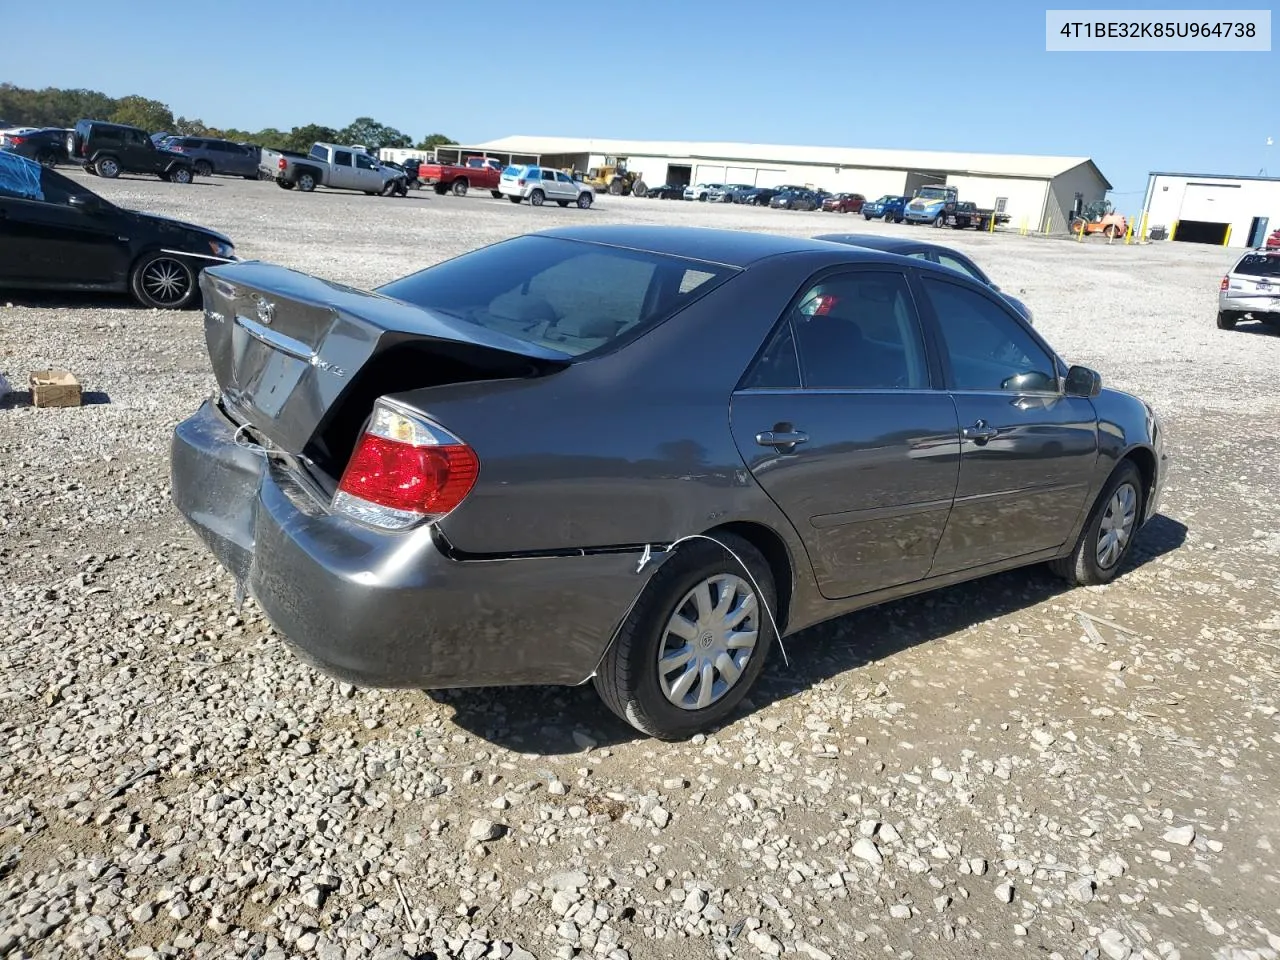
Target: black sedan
[638, 456]
[46, 147]
[932, 252]
[57, 235]
[666, 191]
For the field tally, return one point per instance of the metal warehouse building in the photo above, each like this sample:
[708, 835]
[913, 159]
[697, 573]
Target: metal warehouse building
[1031, 189]
[1229, 211]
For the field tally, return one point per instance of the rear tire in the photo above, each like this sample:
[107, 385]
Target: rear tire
[48, 159]
[515, 199]
[537, 198]
[163, 282]
[204, 168]
[460, 188]
[888, 217]
[1118, 509]
[497, 194]
[107, 167]
[628, 678]
[306, 182]
[1227, 319]
[284, 184]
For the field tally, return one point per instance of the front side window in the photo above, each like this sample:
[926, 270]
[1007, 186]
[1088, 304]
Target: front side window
[364, 162]
[961, 266]
[987, 349]
[564, 178]
[859, 331]
[568, 296]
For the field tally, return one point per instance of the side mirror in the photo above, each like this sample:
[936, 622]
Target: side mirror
[1083, 382]
[85, 203]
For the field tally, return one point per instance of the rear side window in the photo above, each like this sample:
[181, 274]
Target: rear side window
[1258, 265]
[568, 296]
[858, 331]
[341, 158]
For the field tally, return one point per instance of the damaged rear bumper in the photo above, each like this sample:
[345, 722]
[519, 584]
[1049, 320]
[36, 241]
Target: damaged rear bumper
[392, 610]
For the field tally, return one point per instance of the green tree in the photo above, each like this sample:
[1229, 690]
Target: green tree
[301, 138]
[433, 140]
[151, 115]
[372, 134]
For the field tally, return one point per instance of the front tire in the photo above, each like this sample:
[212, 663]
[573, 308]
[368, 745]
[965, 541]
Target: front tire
[694, 643]
[180, 175]
[163, 282]
[640, 189]
[584, 201]
[1109, 532]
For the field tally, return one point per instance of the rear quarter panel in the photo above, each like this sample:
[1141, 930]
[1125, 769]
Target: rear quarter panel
[630, 448]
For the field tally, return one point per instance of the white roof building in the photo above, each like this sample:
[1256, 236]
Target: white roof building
[1034, 189]
[1212, 208]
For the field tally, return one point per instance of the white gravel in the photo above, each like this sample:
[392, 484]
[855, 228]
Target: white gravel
[982, 772]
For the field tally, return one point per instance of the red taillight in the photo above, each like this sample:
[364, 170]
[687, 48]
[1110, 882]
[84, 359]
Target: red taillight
[17, 140]
[1224, 284]
[520, 183]
[282, 163]
[405, 470]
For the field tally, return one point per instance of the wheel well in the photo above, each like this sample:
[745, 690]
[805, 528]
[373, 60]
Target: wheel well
[1145, 461]
[775, 553]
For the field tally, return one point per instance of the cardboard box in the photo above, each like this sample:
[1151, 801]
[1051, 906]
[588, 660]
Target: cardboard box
[54, 388]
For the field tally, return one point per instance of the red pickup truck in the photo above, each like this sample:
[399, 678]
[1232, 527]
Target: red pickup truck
[483, 173]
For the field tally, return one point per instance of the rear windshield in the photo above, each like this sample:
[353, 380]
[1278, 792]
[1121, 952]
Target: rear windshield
[569, 296]
[512, 171]
[1258, 265]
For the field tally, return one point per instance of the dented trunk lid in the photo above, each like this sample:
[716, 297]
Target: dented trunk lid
[288, 348]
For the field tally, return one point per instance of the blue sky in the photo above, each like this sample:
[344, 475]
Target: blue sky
[815, 73]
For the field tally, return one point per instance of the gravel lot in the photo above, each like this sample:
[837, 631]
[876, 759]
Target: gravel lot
[1004, 769]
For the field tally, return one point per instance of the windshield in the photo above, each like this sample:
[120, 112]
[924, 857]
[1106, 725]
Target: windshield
[932, 193]
[1258, 265]
[569, 296]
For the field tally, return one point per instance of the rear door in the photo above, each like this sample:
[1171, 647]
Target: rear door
[47, 241]
[842, 423]
[1028, 451]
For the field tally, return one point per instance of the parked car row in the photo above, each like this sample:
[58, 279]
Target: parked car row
[786, 197]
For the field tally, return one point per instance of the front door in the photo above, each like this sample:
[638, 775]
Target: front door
[367, 172]
[39, 238]
[839, 423]
[342, 171]
[1028, 451]
[138, 154]
[566, 189]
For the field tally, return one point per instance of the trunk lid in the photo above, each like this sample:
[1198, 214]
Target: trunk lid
[300, 360]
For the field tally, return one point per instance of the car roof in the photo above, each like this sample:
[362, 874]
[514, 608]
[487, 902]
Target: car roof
[875, 242]
[734, 248]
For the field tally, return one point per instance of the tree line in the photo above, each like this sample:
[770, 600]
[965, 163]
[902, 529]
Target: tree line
[56, 107]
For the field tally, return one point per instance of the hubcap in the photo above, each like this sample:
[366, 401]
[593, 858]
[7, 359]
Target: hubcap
[110, 169]
[165, 281]
[708, 642]
[1117, 525]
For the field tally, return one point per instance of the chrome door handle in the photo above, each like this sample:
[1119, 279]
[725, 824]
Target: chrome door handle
[781, 438]
[980, 432]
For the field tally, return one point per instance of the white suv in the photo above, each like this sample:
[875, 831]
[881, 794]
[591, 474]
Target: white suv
[539, 184]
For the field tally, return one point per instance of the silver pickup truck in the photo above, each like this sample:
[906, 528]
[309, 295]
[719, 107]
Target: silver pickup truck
[332, 165]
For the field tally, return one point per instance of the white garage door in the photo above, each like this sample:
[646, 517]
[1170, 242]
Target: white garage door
[770, 178]
[706, 174]
[1208, 202]
[745, 175]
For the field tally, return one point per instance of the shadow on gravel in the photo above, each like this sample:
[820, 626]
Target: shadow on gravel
[554, 721]
[1259, 328]
[67, 300]
[22, 398]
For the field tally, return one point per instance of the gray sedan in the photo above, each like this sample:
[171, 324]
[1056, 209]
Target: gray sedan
[638, 455]
[933, 252]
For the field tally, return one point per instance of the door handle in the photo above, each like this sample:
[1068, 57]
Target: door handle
[784, 440]
[980, 432]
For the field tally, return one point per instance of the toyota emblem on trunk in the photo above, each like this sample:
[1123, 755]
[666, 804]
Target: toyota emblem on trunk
[266, 309]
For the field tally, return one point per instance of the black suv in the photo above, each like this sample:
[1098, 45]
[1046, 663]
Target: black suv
[110, 149]
[46, 147]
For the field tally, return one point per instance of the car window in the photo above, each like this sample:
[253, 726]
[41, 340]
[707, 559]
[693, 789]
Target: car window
[364, 162]
[961, 266]
[318, 152]
[511, 172]
[548, 175]
[134, 138]
[341, 158]
[59, 189]
[1258, 265]
[568, 296]
[564, 178]
[859, 331]
[988, 350]
[777, 367]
